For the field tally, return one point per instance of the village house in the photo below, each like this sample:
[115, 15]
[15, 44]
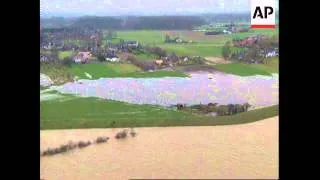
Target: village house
[227, 32]
[272, 53]
[44, 58]
[47, 45]
[111, 57]
[132, 44]
[159, 62]
[47, 58]
[82, 57]
[185, 58]
[171, 60]
[179, 40]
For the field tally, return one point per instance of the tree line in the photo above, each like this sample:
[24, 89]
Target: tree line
[136, 22]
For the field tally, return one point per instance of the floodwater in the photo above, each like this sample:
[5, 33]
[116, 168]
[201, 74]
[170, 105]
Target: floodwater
[246, 151]
[259, 91]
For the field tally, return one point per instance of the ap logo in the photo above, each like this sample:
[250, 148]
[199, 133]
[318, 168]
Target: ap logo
[263, 14]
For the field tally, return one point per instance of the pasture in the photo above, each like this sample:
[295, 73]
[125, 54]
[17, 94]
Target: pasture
[109, 70]
[202, 45]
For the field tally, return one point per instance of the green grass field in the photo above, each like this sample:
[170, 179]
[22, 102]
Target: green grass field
[87, 112]
[243, 69]
[143, 56]
[142, 36]
[118, 70]
[102, 70]
[202, 46]
[64, 54]
[193, 50]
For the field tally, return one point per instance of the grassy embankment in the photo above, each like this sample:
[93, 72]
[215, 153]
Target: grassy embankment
[61, 74]
[58, 73]
[88, 112]
[243, 69]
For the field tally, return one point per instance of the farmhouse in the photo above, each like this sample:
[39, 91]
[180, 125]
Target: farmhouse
[170, 60]
[272, 53]
[159, 62]
[111, 57]
[227, 32]
[47, 45]
[82, 57]
[44, 58]
[132, 44]
[186, 58]
[178, 40]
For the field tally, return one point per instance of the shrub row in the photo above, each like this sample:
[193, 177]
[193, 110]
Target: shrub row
[221, 110]
[82, 144]
[124, 134]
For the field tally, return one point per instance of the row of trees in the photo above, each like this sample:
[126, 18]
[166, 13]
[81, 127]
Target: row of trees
[135, 22]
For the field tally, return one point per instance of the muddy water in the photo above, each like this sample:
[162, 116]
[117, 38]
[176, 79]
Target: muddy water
[236, 151]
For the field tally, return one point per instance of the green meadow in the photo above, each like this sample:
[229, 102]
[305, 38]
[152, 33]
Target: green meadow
[202, 45]
[243, 69]
[118, 70]
[65, 54]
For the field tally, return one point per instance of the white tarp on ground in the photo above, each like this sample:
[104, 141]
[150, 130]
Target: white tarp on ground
[45, 80]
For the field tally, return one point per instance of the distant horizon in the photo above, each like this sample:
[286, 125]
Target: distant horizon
[132, 14]
[78, 8]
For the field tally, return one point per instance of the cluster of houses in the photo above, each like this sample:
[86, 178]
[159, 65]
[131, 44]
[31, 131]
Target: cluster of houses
[48, 58]
[257, 51]
[249, 41]
[64, 39]
[173, 60]
[258, 58]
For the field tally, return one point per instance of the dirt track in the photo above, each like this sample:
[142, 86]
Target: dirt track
[237, 151]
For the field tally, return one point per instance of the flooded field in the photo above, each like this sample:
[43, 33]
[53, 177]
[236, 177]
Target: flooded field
[236, 151]
[199, 88]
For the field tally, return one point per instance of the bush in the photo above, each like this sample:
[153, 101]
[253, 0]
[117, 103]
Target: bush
[157, 51]
[226, 50]
[67, 61]
[180, 106]
[51, 151]
[64, 148]
[133, 133]
[122, 134]
[100, 57]
[101, 140]
[83, 144]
